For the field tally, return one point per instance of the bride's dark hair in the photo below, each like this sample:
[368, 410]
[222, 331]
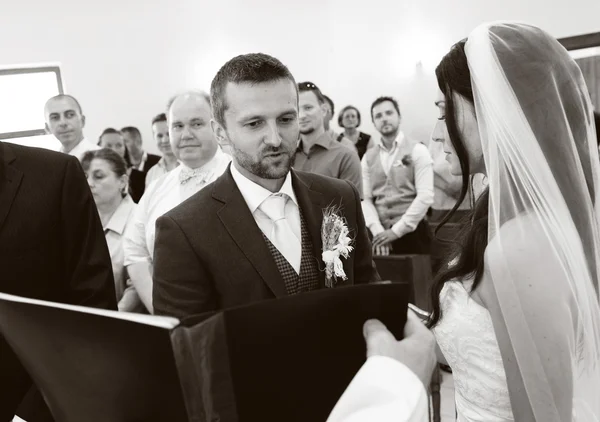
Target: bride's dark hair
[454, 77]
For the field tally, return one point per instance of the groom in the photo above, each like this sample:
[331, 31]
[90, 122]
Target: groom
[255, 233]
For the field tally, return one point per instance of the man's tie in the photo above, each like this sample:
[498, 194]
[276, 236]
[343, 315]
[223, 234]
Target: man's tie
[282, 236]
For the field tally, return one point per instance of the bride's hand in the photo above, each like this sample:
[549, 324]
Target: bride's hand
[416, 350]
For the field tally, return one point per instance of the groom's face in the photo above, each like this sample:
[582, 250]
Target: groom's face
[261, 127]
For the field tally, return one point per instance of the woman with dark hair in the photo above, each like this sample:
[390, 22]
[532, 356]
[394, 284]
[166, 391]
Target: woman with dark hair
[516, 310]
[349, 119]
[106, 172]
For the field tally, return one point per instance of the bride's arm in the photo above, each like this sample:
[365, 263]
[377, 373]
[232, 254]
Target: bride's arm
[535, 334]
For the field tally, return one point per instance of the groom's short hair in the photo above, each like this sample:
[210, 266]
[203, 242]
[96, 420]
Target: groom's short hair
[253, 68]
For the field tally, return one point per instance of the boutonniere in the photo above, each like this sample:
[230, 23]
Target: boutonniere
[404, 162]
[336, 244]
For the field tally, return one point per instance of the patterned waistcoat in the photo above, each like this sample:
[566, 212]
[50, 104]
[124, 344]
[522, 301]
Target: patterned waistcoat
[308, 279]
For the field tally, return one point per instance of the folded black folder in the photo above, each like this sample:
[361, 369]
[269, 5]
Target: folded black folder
[279, 360]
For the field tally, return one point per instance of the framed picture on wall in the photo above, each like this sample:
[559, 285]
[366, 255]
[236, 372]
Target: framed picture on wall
[24, 91]
[585, 49]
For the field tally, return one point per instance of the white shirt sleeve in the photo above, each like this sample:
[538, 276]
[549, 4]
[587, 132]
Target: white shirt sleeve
[368, 208]
[423, 165]
[135, 248]
[383, 390]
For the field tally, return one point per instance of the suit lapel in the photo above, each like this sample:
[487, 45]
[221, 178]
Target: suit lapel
[239, 222]
[10, 180]
[312, 203]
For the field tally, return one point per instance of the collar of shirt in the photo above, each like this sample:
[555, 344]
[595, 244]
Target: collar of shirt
[162, 163]
[119, 219]
[324, 141]
[254, 194]
[397, 143]
[83, 146]
[142, 163]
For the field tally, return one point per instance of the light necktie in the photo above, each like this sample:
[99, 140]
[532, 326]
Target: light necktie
[282, 236]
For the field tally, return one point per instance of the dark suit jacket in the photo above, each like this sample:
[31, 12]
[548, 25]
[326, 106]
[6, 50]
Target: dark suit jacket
[210, 254]
[52, 247]
[137, 179]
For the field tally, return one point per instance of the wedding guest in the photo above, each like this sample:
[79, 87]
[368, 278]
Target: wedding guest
[51, 248]
[65, 120]
[255, 233]
[202, 161]
[329, 113]
[318, 152]
[113, 139]
[349, 119]
[398, 185]
[139, 160]
[168, 161]
[106, 172]
[447, 187]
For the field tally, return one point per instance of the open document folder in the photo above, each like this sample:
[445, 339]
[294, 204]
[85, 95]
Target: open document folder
[286, 359]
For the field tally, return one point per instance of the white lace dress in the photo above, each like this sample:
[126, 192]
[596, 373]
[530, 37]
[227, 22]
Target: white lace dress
[466, 338]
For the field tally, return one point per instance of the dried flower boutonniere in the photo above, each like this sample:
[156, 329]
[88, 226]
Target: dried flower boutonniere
[404, 162]
[336, 244]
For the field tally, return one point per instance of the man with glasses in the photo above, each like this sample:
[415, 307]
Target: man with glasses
[317, 152]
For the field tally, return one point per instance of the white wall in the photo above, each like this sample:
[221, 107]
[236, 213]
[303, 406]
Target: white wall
[123, 59]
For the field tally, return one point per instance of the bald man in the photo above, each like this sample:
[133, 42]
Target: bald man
[202, 161]
[65, 120]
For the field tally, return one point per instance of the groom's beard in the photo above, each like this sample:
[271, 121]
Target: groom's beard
[270, 163]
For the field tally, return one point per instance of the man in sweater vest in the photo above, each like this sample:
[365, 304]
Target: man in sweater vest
[398, 186]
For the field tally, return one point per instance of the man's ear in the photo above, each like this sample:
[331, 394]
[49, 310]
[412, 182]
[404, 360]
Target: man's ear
[219, 133]
[82, 121]
[48, 132]
[324, 110]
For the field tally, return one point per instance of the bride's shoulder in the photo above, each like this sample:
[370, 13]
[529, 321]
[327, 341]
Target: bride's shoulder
[521, 238]
[523, 250]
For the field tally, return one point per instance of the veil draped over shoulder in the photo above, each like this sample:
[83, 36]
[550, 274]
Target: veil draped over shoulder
[536, 123]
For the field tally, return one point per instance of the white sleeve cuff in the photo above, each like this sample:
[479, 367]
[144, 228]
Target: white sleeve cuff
[383, 390]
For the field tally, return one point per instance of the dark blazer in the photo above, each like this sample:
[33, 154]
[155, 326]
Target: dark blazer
[52, 247]
[137, 178]
[210, 254]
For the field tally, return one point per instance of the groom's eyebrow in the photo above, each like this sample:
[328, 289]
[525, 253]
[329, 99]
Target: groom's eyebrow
[250, 117]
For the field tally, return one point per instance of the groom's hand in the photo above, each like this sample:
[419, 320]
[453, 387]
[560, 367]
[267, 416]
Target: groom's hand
[416, 350]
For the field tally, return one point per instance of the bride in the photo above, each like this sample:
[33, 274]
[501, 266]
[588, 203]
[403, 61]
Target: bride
[516, 312]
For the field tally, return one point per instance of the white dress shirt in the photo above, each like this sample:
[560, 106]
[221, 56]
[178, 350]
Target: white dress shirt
[383, 390]
[160, 197]
[254, 195]
[422, 163]
[157, 171]
[142, 163]
[81, 148]
[113, 232]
